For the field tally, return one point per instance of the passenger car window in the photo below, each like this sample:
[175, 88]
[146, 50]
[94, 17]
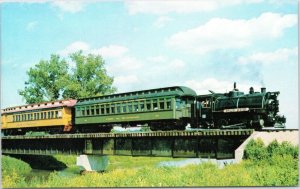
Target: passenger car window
[124, 108]
[155, 106]
[112, 108]
[92, 110]
[97, 109]
[135, 107]
[168, 103]
[118, 108]
[148, 105]
[161, 104]
[178, 103]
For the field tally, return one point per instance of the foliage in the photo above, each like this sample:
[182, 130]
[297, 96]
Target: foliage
[13, 171]
[69, 160]
[45, 80]
[278, 166]
[55, 79]
[89, 77]
[257, 151]
[285, 148]
[10, 164]
[272, 165]
[207, 174]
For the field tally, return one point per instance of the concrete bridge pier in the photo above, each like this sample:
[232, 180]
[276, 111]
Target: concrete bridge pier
[92, 162]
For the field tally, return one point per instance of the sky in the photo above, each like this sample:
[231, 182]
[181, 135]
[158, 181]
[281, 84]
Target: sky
[202, 44]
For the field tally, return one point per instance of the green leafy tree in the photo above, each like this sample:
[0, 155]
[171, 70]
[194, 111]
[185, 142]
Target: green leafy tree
[89, 77]
[55, 79]
[45, 80]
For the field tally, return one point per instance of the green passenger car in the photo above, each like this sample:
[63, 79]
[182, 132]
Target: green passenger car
[162, 109]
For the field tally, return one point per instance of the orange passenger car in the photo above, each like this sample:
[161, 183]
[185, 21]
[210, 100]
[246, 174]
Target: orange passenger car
[53, 117]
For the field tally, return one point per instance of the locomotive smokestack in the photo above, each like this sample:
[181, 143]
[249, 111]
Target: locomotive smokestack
[251, 90]
[263, 89]
[234, 87]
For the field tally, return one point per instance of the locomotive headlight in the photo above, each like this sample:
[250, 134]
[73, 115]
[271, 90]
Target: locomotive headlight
[270, 101]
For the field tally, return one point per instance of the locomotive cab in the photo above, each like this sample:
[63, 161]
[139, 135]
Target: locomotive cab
[205, 109]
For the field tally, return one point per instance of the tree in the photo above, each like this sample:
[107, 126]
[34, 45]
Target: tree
[54, 79]
[89, 77]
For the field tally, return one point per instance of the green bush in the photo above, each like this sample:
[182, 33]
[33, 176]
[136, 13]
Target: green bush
[10, 165]
[256, 150]
[272, 165]
[13, 171]
[285, 148]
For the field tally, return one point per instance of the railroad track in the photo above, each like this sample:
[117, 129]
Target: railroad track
[277, 130]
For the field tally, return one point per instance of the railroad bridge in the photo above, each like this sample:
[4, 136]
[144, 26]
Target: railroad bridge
[94, 148]
[202, 143]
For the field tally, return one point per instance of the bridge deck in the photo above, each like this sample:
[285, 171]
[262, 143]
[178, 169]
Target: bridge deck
[193, 133]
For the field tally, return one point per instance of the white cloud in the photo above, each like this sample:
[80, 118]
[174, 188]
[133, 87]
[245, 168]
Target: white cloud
[157, 59]
[72, 6]
[176, 64]
[178, 6]
[110, 51]
[164, 7]
[221, 33]
[282, 56]
[165, 63]
[282, 2]
[74, 47]
[24, 1]
[218, 86]
[162, 21]
[123, 65]
[69, 6]
[125, 80]
[118, 62]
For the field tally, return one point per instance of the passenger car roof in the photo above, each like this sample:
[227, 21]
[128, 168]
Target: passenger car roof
[159, 92]
[41, 105]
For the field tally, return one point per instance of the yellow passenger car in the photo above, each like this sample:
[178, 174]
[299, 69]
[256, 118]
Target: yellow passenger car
[55, 116]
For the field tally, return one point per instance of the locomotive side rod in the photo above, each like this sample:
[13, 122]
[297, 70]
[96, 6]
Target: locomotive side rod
[234, 126]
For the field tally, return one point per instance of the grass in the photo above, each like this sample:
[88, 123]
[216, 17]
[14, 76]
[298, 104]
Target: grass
[13, 171]
[278, 166]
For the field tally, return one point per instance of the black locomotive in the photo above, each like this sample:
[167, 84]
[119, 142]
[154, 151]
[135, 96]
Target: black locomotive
[237, 110]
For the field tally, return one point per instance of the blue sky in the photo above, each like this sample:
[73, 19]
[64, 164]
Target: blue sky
[204, 44]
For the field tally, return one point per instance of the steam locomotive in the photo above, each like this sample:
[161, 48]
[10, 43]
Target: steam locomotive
[236, 109]
[170, 108]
